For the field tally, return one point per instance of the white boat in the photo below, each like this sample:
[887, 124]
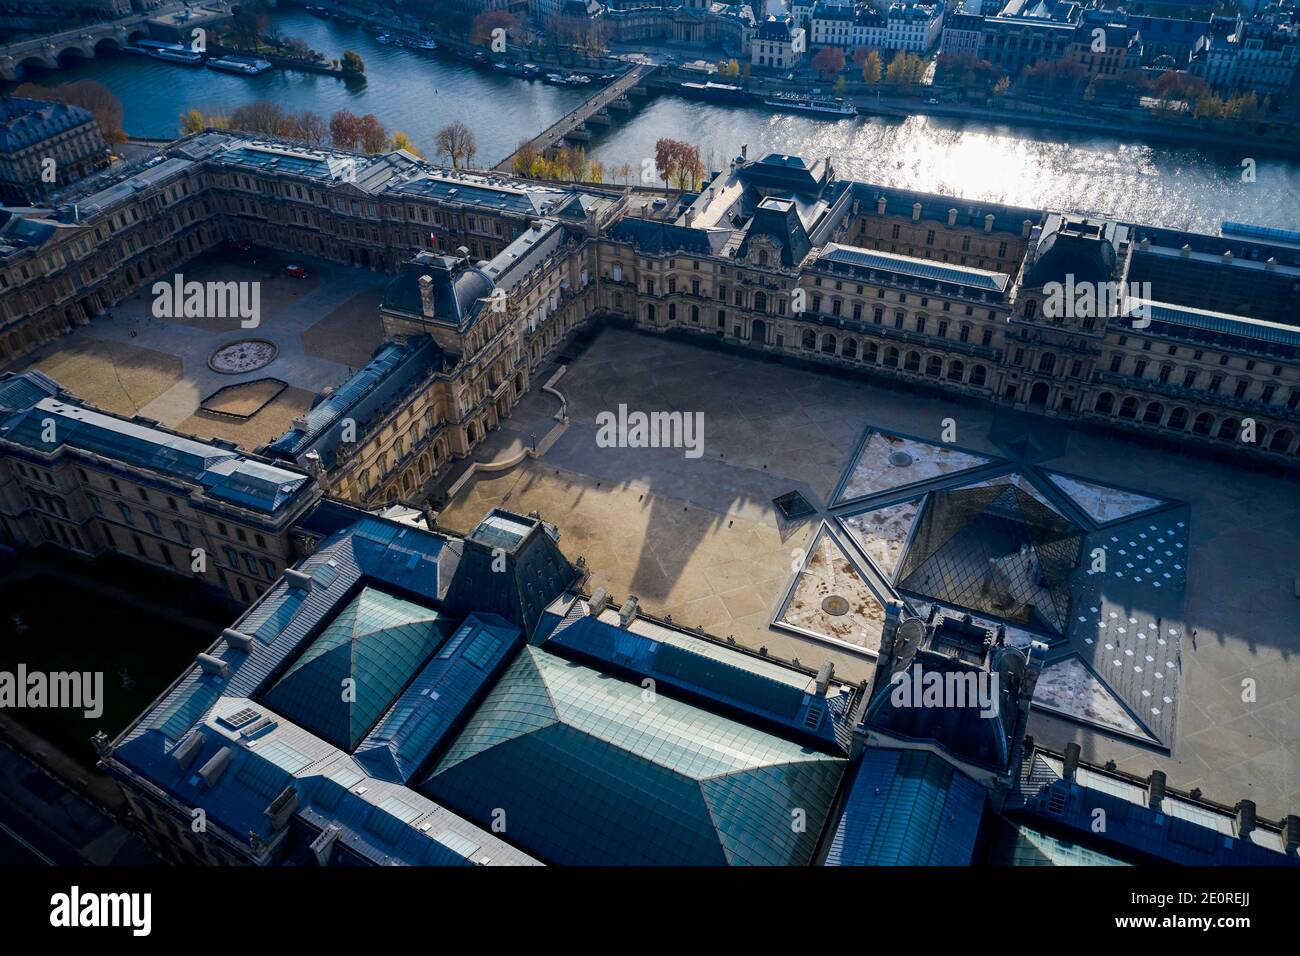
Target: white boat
[383, 38]
[423, 43]
[182, 56]
[245, 66]
[829, 105]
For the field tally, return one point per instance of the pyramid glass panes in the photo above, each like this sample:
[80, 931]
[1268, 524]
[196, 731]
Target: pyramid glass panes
[994, 550]
[350, 675]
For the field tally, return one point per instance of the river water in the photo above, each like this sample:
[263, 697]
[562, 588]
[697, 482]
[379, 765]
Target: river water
[419, 91]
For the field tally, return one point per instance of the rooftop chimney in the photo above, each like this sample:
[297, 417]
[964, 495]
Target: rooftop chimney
[916, 212]
[744, 151]
[988, 222]
[690, 217]
[1071, 760]
[324, 843]
[1270, 263]
[952, 217]
[599, 601]
[1245, 817]
[1145, 244]
[824, 675]
[281, 808]
[237, 640]
[212, 665]
[426, 296]
[880, 206]
[1155, 789]
[297, 579]
[1291, 832]
[1185, 251]
[212, 770]
[1024, 229]
[627, 613]
[185, 752]
[1227, 258]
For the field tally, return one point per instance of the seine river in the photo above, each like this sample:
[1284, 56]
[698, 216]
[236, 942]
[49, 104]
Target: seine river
[419, 91]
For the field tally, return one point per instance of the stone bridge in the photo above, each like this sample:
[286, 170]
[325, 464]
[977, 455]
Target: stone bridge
[572, 124]
[85, 43]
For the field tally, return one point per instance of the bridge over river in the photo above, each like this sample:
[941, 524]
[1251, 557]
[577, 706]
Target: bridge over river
[573, 125]
[87, 42]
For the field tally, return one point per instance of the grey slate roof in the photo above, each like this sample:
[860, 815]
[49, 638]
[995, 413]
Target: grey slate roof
[907, 808]
[224, 474]
[364, 398]
[25, 122]
[864, 263]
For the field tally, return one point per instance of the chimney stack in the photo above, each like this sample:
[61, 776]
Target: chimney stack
[281, 808]
[881, 203]
[1155, 789]
[988, 222]
[1245, 817]
[916, 212]
[599, 601]
[324, 843]
[824, 675]
[237, 640]
[952, 217]
[212, 665]
[627, 612]
[1291, 832]
[212, 770]
[1024, 229]
[426, 296]
[1071, 760]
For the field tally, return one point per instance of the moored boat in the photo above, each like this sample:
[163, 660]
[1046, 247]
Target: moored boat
[804, 103]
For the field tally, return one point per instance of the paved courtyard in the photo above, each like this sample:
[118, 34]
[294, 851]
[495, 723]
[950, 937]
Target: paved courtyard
[700, 539]
[135, 364]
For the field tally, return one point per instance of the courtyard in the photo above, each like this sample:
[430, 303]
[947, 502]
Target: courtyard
[314, 331]
[700, 540]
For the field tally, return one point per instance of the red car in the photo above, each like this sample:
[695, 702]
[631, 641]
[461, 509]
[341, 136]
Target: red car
[239, 245]
[298, 272]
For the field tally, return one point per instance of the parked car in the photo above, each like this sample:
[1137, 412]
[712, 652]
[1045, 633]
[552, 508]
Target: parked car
[239, 245]
[933, 100]
[297, 272]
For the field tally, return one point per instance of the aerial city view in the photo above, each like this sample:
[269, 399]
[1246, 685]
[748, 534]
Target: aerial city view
[649, 433]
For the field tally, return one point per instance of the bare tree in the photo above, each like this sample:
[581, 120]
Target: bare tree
[456, 142]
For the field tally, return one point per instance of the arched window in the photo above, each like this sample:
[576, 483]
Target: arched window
[978, 375]
[1281, 440]
[1204, 422]
[850, 349]
[1228, 429]
[1105, 403]
[955, 370]
[828, 344]
[870, 352]
[1155, 411]
[933, 366]
[1128, 408]
[1178, 418]
[891, 357]
[912, 362]
[809, 339]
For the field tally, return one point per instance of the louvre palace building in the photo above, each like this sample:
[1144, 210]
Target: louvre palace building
[1177, 334]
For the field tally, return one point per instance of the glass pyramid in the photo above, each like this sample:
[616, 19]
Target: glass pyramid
[996, 550]
[378, 643]
[589, 770]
